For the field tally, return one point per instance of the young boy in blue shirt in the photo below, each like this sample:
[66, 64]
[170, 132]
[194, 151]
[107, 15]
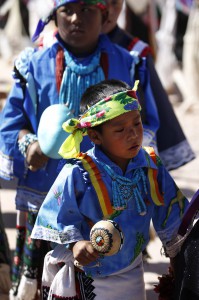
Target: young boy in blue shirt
[117, 179]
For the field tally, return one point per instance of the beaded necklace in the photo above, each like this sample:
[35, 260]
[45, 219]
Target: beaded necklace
[77, 78]
[124, 189]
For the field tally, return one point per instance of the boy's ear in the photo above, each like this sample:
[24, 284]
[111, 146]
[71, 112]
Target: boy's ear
[94, 136]
[55, 18]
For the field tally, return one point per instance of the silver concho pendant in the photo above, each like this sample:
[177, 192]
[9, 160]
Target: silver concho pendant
[106, 237]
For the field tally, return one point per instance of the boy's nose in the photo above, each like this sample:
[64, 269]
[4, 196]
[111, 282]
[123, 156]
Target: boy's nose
[111, 12]
[75, 18]
[132, 134]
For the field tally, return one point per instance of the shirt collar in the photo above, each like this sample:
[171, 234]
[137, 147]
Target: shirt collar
[141, 160]
[104, 44]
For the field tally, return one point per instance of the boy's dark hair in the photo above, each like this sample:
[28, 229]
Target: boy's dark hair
[101, 90]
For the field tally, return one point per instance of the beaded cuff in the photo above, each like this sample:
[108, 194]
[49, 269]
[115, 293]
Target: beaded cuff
[25, 141]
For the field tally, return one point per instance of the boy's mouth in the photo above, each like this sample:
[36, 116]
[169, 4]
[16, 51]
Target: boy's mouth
[76, 30]
[134, 147]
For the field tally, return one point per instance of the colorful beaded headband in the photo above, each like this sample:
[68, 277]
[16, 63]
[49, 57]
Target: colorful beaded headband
[99, 3]
[104, 110]
[55, 4]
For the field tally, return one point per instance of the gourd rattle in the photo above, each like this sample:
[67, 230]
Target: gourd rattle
[106, 237]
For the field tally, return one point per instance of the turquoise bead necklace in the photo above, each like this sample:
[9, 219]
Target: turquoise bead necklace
[124, 189]
[77, 78]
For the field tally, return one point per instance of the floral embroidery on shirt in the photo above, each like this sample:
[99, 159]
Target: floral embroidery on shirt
[57, 195]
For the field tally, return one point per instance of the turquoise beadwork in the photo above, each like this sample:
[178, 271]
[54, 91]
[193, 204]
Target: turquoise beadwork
[124, 189]
[77, 78]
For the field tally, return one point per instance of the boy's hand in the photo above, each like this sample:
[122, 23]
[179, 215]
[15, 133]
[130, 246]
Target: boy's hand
[34, 157]
[84, 252]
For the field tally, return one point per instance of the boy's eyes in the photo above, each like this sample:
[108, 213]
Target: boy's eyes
[137, 123]
[65, 10]
[85, 9]
[70, 11]
[119, 130]
[123, 128]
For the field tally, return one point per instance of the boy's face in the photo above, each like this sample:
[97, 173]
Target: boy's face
[79, 26]
[114, 9]
[120, 138]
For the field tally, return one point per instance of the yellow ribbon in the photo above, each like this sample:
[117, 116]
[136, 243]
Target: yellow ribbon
[71, 146]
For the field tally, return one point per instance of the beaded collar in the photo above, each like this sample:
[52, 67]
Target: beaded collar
[124, 189]
[78, 77]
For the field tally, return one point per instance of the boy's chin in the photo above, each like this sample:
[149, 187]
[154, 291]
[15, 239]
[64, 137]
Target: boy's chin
[134, 151]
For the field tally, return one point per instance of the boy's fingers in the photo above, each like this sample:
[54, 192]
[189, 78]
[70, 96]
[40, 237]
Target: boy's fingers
[31, 168]
[87, 258]
[77, 264]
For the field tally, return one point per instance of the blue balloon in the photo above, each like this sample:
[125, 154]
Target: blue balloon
[50, 132]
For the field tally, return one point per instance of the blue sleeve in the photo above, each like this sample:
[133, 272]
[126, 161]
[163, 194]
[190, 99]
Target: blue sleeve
[15, 116]
[167, 218]
[12, 121]
[63, 216]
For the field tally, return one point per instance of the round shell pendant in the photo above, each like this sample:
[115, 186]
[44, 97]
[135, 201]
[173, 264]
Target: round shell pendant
[106, 237]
